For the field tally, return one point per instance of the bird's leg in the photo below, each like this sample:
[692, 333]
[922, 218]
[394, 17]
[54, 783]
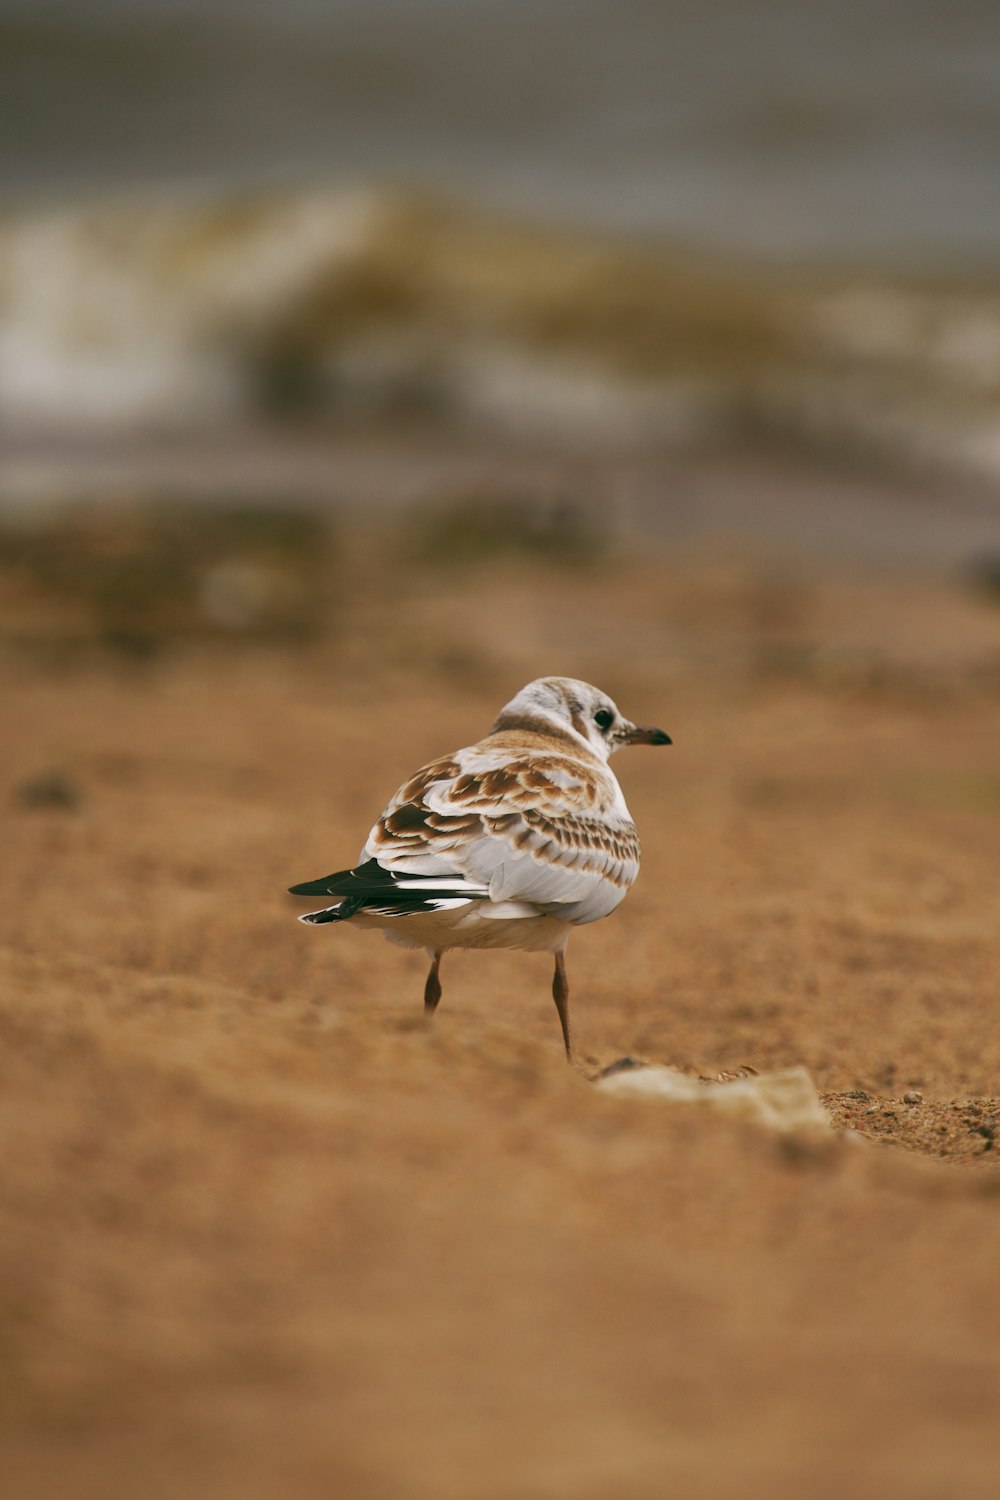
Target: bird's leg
[432, 989]
[560, 994]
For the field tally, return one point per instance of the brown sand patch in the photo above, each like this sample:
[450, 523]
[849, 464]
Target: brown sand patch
[263, 1233]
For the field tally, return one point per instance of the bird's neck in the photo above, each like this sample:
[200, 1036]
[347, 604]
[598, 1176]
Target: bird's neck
[530, 726]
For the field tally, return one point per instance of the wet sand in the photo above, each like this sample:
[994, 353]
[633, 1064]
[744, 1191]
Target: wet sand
[264, 1233]
[778, 503]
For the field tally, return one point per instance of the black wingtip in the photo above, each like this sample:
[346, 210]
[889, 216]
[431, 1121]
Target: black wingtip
[311, 888]
[342, 882]
[342, 912]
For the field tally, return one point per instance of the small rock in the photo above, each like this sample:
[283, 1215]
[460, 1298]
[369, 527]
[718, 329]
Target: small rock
[49, 789]
[872, 1109]
[913, 1097]
[786, 1101]
[622, 1065]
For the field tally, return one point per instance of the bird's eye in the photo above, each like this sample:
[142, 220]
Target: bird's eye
[604, 718]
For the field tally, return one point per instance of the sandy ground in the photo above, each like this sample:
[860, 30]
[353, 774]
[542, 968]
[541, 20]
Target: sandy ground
[263, 1233]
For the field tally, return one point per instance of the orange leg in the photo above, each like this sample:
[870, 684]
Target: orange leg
[560, 994]
[432, 989]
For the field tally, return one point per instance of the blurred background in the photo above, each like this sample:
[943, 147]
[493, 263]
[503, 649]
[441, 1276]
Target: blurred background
[661, 234]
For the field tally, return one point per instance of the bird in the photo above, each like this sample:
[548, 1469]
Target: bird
[508, 843]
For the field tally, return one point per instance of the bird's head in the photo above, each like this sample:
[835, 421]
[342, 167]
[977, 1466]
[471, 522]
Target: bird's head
[570, 705]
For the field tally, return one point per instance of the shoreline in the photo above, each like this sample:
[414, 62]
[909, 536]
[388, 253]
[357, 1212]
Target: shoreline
[783, 504]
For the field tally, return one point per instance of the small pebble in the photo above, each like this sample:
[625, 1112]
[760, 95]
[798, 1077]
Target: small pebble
[914, 1097]
[622, 1065]
[49, 789]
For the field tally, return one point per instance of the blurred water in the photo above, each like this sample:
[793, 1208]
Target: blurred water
[863, 129]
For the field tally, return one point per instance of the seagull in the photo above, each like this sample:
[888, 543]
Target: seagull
[504, 844]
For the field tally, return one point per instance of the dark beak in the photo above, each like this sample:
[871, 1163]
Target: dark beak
[644, 734]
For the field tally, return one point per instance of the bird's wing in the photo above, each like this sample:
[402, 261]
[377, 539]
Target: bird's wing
[539, 828]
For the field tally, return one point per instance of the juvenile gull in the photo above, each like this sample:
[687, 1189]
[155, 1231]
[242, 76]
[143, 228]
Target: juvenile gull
[506, 844]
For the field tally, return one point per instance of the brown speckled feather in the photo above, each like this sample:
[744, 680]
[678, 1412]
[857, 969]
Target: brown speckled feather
[532, 815]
